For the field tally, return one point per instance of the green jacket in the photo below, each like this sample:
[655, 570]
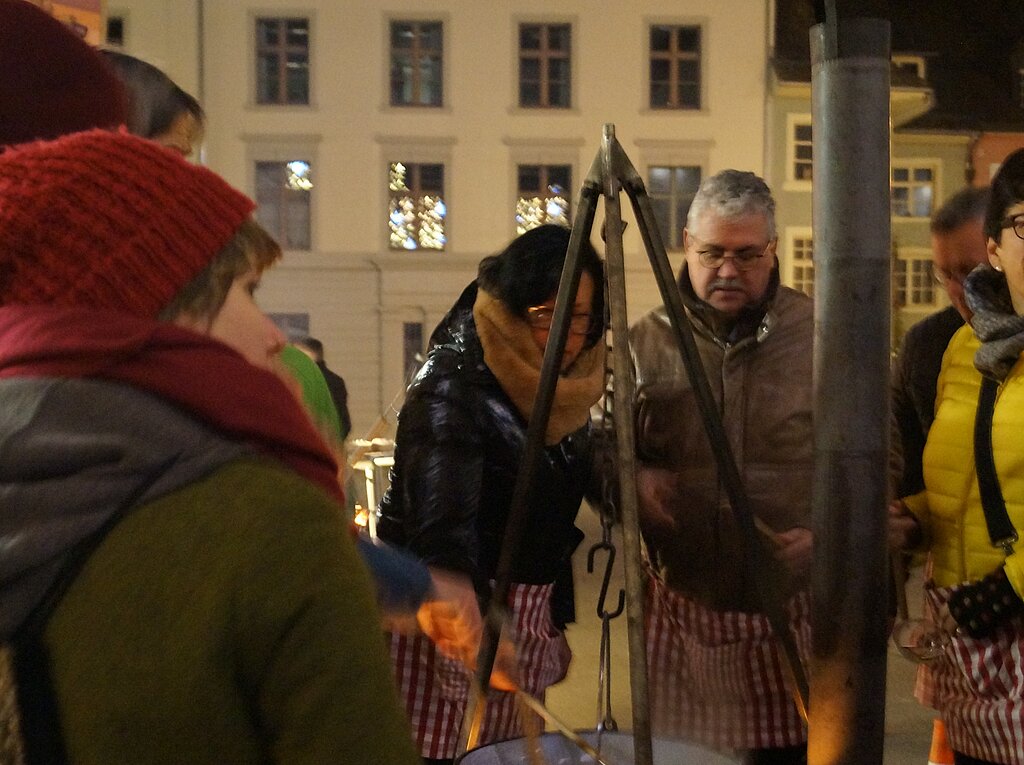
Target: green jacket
[238, 610]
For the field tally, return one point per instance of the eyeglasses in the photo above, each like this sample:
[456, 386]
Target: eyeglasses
[744, 260]
[945, 278]
[1016, 222]
[540, 316]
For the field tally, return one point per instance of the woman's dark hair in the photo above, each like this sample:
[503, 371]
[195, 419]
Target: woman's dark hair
[1007, 190]
[154, 100]
[527, 272]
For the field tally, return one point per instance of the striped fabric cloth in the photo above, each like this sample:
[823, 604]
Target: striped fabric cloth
[717, 678]
[435, 688]
[978, 687]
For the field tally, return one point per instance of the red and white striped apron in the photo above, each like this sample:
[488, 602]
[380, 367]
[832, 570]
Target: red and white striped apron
[717, 678]
[435, 688]
[978, 687]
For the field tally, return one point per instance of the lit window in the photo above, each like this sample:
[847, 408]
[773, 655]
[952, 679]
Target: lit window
[543, 195]
[801, 264]
[913, 189]
[282, 61]
[545, 65]
[913, 282]
[675, 67]
[283, 191]
[416, 63]
[671, 190]
[417, 213]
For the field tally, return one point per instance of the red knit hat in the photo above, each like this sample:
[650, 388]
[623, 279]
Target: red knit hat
[108, 220]
[51, 81]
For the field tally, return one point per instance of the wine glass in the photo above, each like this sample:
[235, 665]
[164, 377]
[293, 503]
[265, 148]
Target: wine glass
[919, 640]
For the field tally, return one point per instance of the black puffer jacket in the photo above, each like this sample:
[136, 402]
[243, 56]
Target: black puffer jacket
[458, 448]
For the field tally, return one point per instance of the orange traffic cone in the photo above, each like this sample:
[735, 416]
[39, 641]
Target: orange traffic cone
[941, 752]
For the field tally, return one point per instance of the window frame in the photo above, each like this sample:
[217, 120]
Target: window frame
[674, 57]
[793, 235]
[914, 255]
[418, 192]
[543, 189]
[793, 122]
[274, 148]
[912, 164]
[418, 20]
[531, 151]
[256, 45]
[671, 246]
[544, 57]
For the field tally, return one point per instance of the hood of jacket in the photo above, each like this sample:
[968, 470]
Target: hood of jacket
[74, 455]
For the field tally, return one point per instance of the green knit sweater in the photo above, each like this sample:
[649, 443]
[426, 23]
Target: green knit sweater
[229, 622]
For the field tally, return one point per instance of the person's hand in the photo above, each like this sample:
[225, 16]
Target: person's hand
[451, 618]
[904, 528]
[794, 549]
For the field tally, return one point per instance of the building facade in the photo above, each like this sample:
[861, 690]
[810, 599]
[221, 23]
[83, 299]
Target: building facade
[393, 146]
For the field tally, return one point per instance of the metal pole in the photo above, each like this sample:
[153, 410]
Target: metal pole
[623, 396]
[850, 94]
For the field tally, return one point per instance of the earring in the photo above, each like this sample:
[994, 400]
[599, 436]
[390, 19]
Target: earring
[998, 268]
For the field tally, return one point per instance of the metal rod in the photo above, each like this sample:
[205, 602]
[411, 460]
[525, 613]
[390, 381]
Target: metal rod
[624, 394]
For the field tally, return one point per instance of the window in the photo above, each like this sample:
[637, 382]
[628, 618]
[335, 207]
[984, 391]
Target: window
[543, 195]
[799, 150]
[913, 189]
[417, 213]
[416, 63]
[912, 280]
[801, 262]
[675, 67]
[545, 66]
[671, 190]
[909, 65]
[115, 31]
[283, 191]
[282, 61]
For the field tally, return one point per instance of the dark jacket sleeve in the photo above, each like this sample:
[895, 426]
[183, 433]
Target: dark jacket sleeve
[436, 481]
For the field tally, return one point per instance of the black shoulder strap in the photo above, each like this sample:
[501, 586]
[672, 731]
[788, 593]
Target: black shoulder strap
[1000, 530]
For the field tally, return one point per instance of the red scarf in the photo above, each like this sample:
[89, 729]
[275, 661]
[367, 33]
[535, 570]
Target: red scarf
[206, 378]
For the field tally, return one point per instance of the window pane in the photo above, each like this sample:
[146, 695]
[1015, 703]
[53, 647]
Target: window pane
[661, 38]
[266, 31]
[402, 35]
[267, 82]
[297, 32]
[529, 36]
[432, 178]
[923, 174]
[659, 94]
[559, 37]
[805, 152]
[660, 69]
[558, 70]
[558, 95]
[900, 174]
[659, 180]
[802, 132]
[689, 95]
[529, 178]
[529, 94]
[561, 176]
[529, 68]
[689, 39]
[430, 81]
[431, 36]
[689, 71]
[297, 76]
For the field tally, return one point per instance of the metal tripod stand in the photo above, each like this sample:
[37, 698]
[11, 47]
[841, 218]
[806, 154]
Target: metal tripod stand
[609, 175]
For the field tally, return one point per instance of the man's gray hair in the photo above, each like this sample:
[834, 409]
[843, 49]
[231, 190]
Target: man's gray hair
[734, 194]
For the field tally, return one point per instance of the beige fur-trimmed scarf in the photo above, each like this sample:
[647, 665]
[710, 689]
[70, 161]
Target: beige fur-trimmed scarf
[514, 358]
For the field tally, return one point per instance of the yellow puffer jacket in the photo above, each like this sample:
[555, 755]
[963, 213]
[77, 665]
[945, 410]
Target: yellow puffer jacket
[950, 506]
